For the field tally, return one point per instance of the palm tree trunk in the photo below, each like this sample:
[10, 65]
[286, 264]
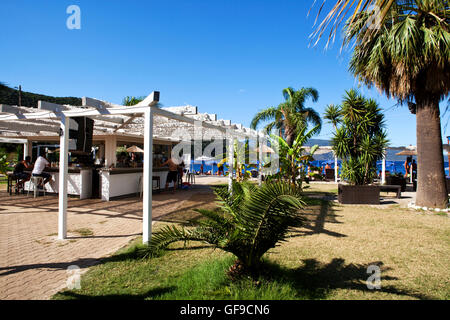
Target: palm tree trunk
[431, 189]
[290, 139]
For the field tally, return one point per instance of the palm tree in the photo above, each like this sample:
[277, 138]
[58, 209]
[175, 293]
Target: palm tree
[131, 101]
[408, 57]
[250, 221]
[333, 115]
[342, 8]
[291, 115]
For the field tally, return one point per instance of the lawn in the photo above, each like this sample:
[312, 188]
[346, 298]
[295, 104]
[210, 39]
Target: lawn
[326, 259]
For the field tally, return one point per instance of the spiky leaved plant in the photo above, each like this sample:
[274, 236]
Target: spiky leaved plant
[249, 221]
[360, 140]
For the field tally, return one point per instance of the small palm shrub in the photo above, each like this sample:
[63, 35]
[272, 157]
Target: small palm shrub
[4, 164]
[250, 220]
[360, 140]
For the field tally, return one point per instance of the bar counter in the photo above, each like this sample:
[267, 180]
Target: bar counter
[79, 181]
[118, 182]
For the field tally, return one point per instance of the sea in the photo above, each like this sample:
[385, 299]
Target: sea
[391, 166]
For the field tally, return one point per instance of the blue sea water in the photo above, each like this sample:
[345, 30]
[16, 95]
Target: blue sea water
[391, 166]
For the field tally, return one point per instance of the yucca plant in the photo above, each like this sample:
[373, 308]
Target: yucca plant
[360, 140]
[249, 221]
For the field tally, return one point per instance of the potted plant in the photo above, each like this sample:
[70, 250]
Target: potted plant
[359, 141]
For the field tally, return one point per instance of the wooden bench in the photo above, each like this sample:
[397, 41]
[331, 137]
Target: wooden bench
[394, 188]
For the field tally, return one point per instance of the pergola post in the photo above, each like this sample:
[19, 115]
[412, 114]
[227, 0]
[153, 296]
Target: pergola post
[230, 162]
[260, 157]
[110, 151]
[63, 175]
[411, 173]
[147, 178]
[383, 169]
[27, 149]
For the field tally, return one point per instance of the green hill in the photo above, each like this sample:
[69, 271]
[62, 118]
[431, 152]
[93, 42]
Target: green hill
[11, 96]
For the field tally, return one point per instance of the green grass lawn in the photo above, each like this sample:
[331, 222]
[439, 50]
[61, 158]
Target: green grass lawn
[326, 259]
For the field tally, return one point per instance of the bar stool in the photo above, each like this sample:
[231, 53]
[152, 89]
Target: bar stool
[34, 183]
[154, 178]
[190, 178]
[11, 178]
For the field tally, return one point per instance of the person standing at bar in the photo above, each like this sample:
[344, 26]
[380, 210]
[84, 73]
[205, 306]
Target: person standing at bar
[172, 176]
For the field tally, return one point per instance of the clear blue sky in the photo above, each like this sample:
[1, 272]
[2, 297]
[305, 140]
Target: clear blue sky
[230, 57]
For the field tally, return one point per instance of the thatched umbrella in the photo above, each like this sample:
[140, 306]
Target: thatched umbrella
[266, 149]
[407, 153]
[135, 149]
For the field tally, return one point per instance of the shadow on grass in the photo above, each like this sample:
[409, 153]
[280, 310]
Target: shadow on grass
[153, 293]
[318, 213]
[313, 280]
[316, 280]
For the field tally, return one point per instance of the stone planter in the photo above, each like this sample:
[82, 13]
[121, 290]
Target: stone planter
[349, 194]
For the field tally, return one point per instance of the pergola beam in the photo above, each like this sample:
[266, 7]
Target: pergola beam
[27, 127]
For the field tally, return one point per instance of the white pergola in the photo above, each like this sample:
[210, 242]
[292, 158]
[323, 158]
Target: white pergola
[54, 119]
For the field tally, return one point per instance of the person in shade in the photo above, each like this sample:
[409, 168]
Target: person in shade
[19, 171]
[38, 170]
[407, 165]
[414, 174]
[220, 169]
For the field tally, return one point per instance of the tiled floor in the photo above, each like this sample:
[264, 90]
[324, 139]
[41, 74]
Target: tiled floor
[33, 263]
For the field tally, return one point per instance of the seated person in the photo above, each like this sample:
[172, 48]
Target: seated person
[38, 170]
[19, 171]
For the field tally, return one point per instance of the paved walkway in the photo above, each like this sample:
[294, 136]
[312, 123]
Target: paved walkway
[33, 263]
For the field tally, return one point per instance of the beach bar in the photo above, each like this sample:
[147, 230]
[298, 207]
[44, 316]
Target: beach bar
[109, 125]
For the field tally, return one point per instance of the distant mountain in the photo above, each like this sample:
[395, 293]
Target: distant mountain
[320, 142]
[391, 152]
[28, 99]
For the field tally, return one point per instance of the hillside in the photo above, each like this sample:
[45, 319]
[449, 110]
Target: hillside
[11, 96]
[391, 152]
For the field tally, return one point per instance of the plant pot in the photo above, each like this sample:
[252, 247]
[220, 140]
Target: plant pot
[349, 194]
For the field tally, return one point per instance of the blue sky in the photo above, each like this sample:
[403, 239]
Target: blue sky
[230, 57]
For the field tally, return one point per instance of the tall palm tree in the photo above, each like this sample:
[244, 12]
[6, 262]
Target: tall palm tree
[343, 8]
[290, 116]
[131, 101]
[408, 57]
[333, 115]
